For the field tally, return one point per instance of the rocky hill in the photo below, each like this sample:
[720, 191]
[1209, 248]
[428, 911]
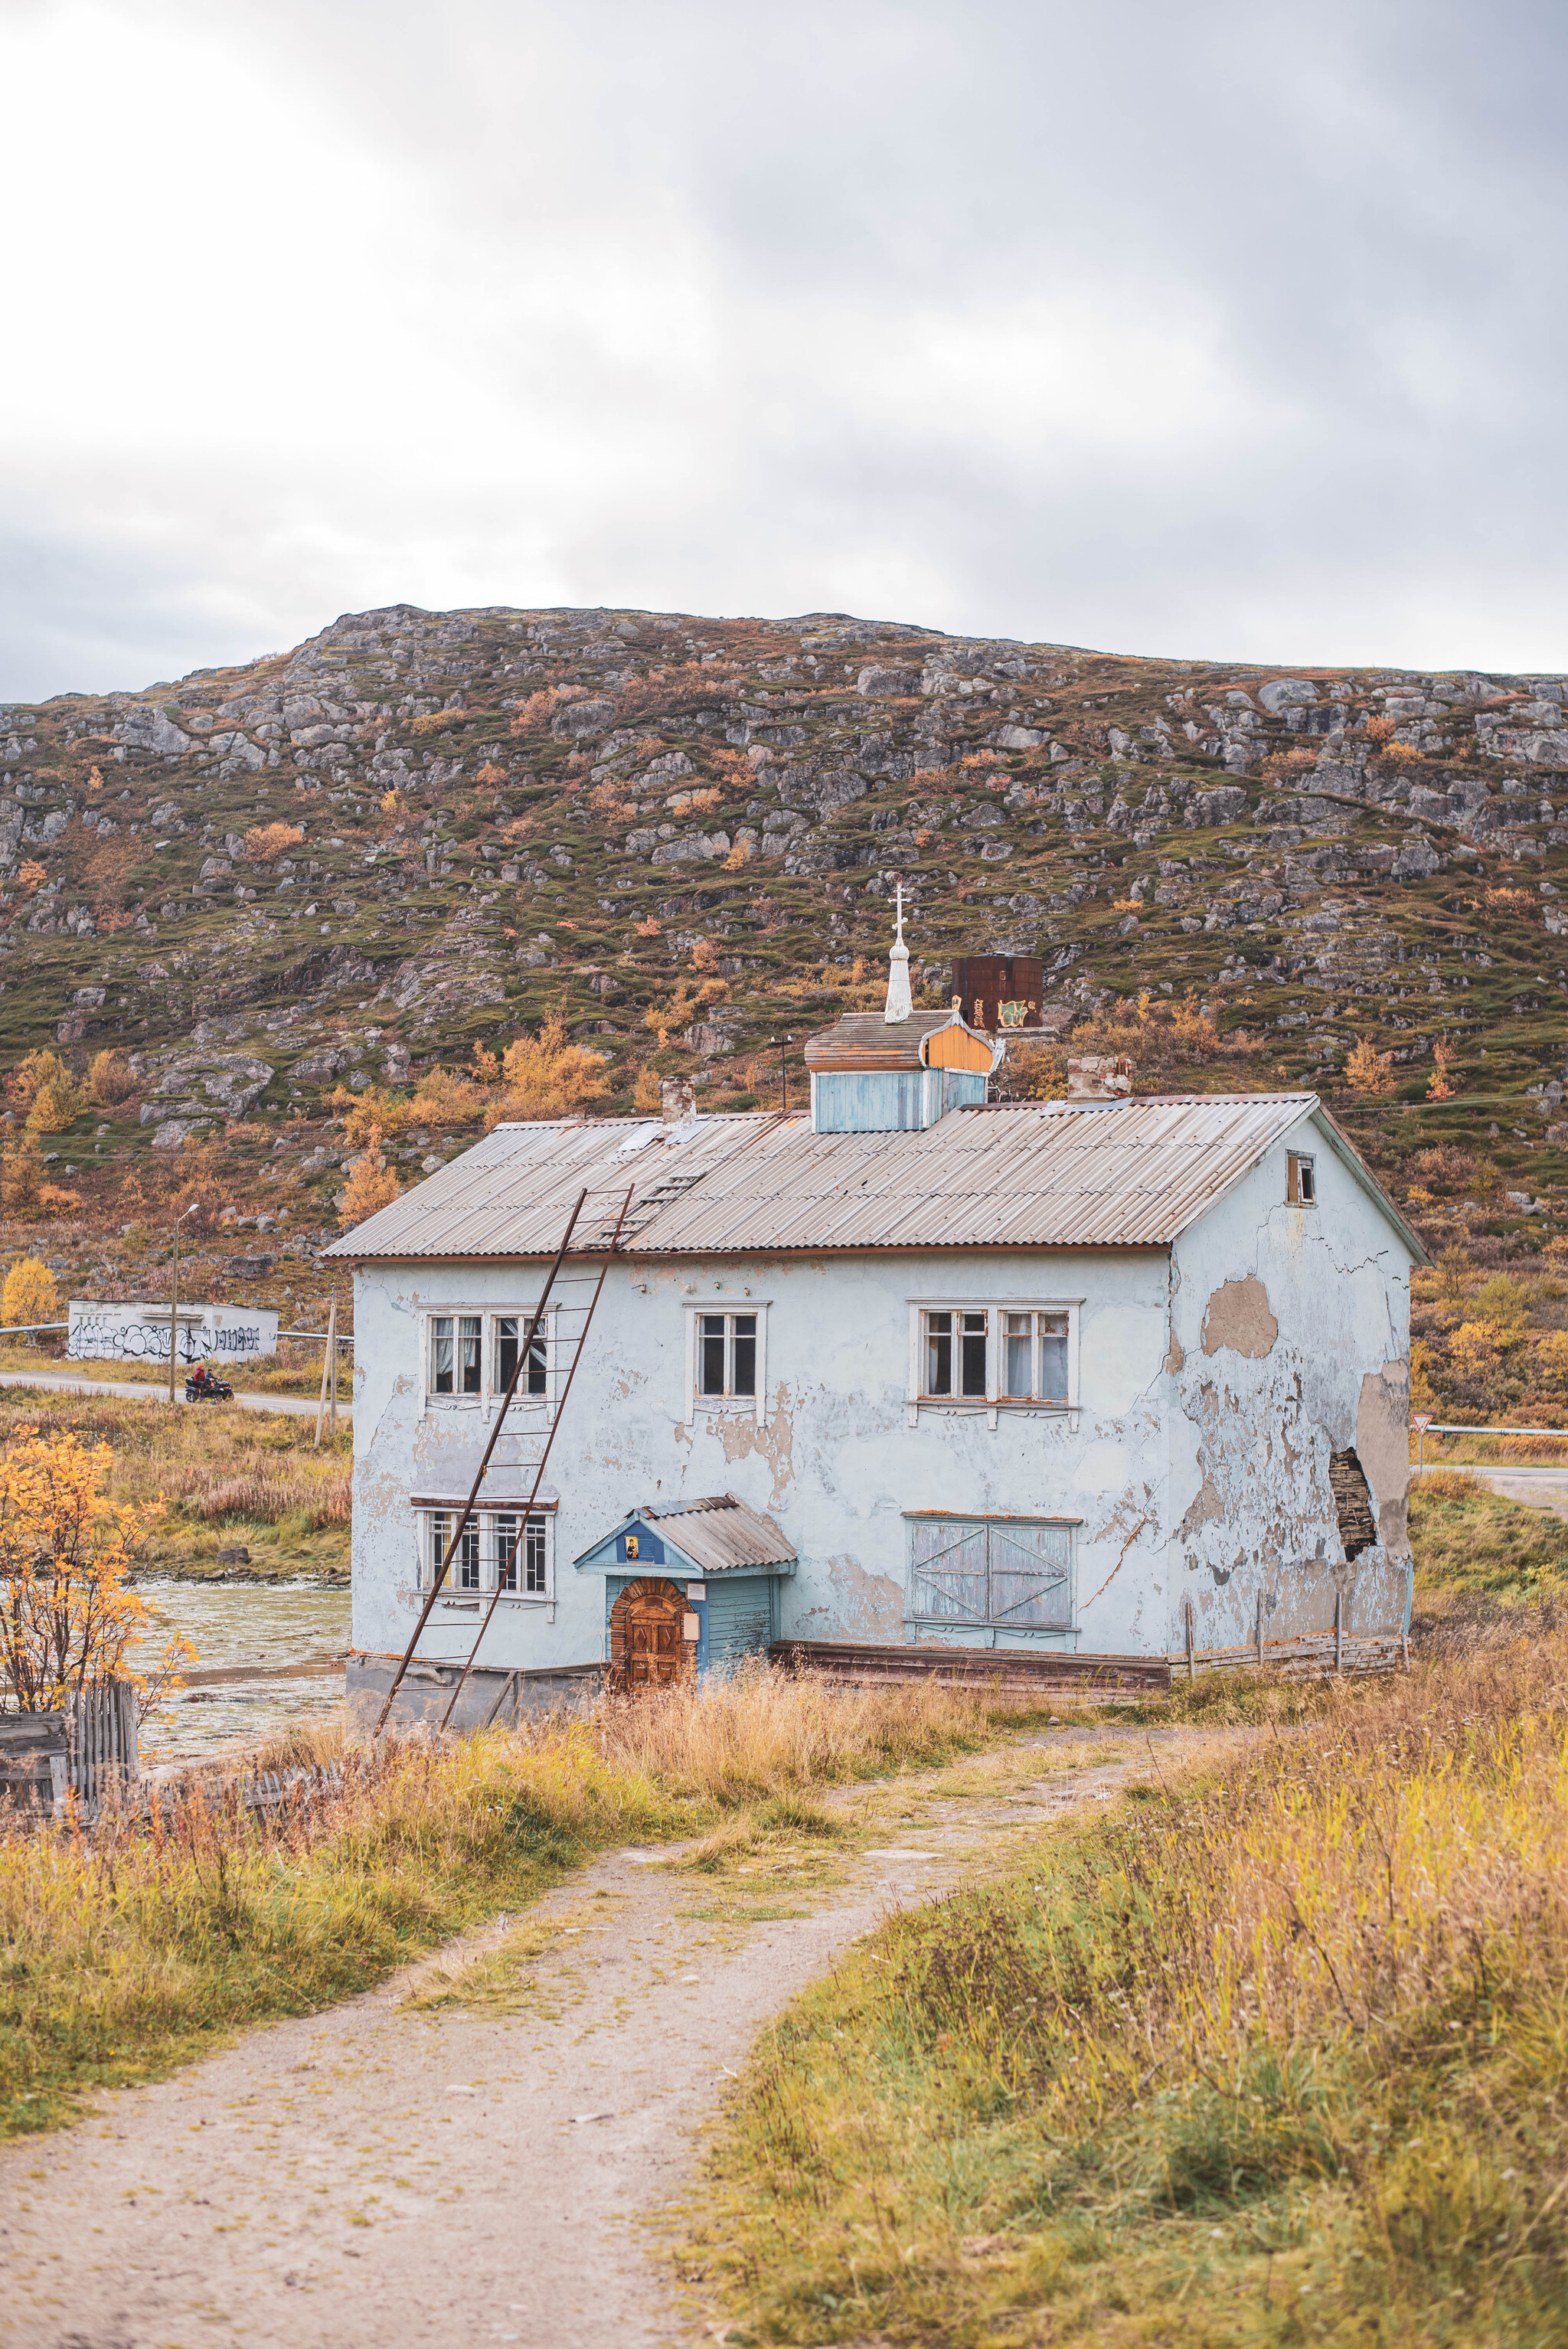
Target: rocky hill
[419, 831]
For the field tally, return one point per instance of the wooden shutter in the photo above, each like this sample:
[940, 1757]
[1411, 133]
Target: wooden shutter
[947, 1558]
[1031, 1577]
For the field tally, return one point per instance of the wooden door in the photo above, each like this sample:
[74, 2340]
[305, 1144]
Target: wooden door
[654, 1637]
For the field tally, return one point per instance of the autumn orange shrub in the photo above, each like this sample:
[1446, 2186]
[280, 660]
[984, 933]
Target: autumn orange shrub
[1438, 1087]
[371, 1186]
[1034, 1072]
[547, 1076]
[69, 1613]
[1288, 766]
[441, 1097]
[1368, 1070]
[1381, 729]
[58, 1101]
[609, 800]
[27, 1080]
[21, 1175]
[30, 1294]
[267, 841]
[110, 1078]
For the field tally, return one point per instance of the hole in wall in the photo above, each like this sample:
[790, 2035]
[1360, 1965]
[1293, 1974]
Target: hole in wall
[1352, 1502]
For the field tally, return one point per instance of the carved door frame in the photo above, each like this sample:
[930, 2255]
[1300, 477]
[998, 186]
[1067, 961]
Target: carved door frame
[647, 1649]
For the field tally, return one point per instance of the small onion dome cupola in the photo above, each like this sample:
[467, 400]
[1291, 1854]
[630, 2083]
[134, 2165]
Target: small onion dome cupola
[897, 1071]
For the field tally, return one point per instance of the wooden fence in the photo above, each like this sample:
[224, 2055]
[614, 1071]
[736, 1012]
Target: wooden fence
[88, 1750]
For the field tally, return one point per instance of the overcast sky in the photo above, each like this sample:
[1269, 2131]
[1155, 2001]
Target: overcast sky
[1219, 328]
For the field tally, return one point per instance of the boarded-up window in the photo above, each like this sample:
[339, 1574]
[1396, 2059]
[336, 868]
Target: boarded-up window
[1352, 1503]
[1014, 1573]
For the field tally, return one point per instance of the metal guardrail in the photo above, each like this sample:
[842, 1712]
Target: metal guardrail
[1425, 1427]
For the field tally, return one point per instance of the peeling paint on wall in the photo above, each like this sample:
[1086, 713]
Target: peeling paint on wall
[1304, 1353]
[1383, 1442]
[868, 1606]
[773, 1442]
[1239, 1317]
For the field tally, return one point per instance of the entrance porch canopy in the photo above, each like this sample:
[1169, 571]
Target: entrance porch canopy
[716, 1540]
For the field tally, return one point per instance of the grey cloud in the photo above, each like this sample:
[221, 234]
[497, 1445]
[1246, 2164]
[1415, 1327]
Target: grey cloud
[709, 267]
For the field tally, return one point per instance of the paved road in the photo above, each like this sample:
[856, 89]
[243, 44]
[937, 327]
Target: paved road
[397, 2171]
[143, 1390]
[1539, 1488]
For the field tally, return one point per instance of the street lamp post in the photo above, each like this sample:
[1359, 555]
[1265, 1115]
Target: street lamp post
[174, 1302]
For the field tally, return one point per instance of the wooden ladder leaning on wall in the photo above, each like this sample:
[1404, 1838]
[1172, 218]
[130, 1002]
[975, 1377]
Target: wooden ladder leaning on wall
[585, 1314]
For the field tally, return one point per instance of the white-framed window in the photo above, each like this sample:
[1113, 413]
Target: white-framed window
[455, 1364]
[726, 1358]
[463, 1576]
[997, 1573]
[509, 1330]
[1300, 1180]
[470, 1358]
[501, 1549]
[1013, 1356]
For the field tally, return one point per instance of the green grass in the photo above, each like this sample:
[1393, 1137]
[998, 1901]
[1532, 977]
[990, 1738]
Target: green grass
[1476, 1549]
[1274, 2058]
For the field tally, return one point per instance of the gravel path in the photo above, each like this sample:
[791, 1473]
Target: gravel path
[404, 2174]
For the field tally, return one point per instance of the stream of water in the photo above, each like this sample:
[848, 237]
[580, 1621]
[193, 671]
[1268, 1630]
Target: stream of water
[245, 1627]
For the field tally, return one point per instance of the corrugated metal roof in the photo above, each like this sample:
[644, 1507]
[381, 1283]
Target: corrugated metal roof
[1123, 1174]
[722, 1534]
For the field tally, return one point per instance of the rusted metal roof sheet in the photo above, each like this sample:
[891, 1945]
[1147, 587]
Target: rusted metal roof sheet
[865, 1040]
[1130, 1173]
[722, 1535]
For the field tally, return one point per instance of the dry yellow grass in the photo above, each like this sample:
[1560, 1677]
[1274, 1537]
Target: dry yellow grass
[1280, 2056]
[762, 1734]
[221, 1473]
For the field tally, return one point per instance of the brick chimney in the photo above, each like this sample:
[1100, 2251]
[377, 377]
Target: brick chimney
[1097, 1076]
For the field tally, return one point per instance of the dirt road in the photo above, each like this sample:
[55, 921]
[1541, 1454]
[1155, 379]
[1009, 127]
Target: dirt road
[145, 1390]
[401, 2174]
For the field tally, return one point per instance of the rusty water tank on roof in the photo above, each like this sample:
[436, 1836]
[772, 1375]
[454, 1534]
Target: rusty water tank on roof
[985, 982]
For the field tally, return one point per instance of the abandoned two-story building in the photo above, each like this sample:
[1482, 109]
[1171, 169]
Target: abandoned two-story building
[908, 1371]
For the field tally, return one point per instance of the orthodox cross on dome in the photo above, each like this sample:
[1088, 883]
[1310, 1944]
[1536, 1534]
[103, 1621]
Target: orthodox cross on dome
[900, 1004]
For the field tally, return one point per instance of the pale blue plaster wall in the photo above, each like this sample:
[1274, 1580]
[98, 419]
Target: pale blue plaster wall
[835, 1462]
[1252, 1426]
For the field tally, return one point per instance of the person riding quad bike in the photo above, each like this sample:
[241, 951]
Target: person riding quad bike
[201, 1386]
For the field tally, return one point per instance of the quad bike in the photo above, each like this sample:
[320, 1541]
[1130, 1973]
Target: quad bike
[201, 1386]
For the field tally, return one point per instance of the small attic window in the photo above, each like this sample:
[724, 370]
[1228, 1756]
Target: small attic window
[1300, 1181]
